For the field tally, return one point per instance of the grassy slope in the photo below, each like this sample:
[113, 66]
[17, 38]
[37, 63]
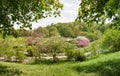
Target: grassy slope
[105, 65]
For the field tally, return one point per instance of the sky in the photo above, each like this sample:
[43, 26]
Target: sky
[68, 14]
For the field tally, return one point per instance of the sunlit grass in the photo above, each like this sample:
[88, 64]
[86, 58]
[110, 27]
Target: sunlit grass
[105, 65]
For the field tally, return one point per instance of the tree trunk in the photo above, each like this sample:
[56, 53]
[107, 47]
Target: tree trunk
[54, 58]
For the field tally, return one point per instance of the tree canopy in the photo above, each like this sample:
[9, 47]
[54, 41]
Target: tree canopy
[99, 11]
[25, 11]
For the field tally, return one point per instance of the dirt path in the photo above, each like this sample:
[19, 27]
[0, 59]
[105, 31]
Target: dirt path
[50, 57]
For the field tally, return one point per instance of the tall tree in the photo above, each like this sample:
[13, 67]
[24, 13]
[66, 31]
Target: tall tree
[53, 31]
[99, 11]
[25, 11]
[65, 30]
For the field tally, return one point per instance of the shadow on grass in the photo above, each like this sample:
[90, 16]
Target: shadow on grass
[107, 68]
[8, 71]
[50, 61]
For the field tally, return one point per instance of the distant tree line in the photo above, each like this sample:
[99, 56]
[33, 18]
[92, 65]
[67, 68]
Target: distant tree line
[72, 30]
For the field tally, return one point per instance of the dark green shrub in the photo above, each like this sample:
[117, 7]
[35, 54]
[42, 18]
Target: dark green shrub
[11, 48]
[94, 47]
[94, 35]
[34, 51]
[6, 49]
[29, 51]
[79, 55]
[9, 54]
[111, 40]
[70, 54]
[91, 36]
[82, 33]
[20, 53]
[20, 56]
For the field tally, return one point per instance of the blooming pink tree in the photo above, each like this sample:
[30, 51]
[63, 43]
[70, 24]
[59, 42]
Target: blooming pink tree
[82, 41]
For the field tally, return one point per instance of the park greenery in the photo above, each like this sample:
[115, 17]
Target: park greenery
[24, 12]
[86, 47]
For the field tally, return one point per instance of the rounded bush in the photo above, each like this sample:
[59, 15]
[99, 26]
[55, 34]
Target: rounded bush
[111, 40]
[82, 41]
[77, 55]
[70, 54]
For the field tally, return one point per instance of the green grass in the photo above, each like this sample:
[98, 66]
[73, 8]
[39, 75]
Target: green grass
[104, 65]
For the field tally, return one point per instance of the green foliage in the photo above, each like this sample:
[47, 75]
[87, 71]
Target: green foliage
[94, 48]
[30, 51]
[99, 11]
[103, 65]
[20, 56]
[102, 27]
[53, 45]
[111, 40]
[9, 54]
[20, 53]
[56, 45]
[95, 35]
[77, 55]
[36, 52]
[65, 31]
[12, 48]
[70, 54]
[53, 31]
[43, 30]
[6, 49]
[106, 65]
[74, 29]
[24, 12]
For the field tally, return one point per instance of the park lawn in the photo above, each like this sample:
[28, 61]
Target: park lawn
[103, 65]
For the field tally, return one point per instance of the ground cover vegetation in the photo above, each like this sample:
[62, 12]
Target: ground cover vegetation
[102, 65]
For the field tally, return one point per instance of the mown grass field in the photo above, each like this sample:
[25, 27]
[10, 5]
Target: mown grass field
[104, 65]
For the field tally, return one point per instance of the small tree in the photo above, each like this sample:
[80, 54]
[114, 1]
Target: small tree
[55, 45]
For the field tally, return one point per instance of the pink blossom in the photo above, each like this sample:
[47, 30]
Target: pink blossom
[82, 41]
